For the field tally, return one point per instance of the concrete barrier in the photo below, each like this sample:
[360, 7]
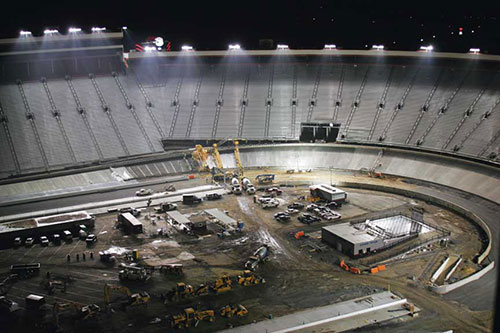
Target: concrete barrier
[446, 288]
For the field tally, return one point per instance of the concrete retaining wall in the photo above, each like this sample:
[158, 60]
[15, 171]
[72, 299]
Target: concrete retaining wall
[446, 288]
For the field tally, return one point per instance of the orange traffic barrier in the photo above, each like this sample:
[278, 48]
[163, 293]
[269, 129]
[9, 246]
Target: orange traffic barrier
[355, 270]
[374, 270]
[381, 268]
[299, 234]
[191, 177]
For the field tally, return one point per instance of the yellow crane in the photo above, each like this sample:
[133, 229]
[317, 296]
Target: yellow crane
[237, 157]
[201, 156]
[217, 158]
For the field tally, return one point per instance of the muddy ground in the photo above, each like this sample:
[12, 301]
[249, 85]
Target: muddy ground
[299, 274]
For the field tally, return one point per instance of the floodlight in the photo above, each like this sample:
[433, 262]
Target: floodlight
[124, 28]
[234, 47]
[474, 50]
[98, 29]
[74, 29]
[25, 33]
[378, 47]
[282, 47]
[426, 48]
[330, 46]
[50, 31]
[186, 48]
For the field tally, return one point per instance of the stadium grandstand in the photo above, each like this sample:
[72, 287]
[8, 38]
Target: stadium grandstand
[85, 118]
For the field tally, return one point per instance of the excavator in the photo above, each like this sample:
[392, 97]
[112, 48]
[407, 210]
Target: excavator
[141, 298]
[83, 312]
[233, 310]
[249, 278]
[190, 317]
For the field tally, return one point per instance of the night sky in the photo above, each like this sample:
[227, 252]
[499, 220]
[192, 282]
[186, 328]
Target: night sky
[300, 24]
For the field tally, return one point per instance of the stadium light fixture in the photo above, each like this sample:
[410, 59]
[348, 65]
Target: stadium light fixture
[25, 33]
[282, 47]
[426, 48]
[378, 47]
[187, 48]
[73, 30]
[98, 29]
[234, 47]
[330, 47]
[474, 50]
[50, 31]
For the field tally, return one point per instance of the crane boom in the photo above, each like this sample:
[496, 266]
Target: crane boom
[237, 157]
[217, 158]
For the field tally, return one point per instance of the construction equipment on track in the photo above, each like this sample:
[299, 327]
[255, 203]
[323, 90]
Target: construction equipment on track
[248, 278]
[141, 298]
[190, 317]
[233, 310]
[267, 178]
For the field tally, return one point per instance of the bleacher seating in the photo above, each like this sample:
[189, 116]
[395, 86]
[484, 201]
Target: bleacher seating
[92, 118]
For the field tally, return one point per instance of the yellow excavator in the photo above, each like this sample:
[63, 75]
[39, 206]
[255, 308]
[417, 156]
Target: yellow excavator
[141, 298]
[83, 312]
[190, 317]
[181, 290]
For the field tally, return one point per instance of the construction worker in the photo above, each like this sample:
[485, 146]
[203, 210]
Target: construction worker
[68, 258]
[83, 256]
[48, 275]
[91, 255]
[77, 257]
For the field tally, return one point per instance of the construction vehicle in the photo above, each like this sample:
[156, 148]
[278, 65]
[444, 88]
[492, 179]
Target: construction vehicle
[83, 312]
[201, 156]
[190, 317]
[7, 305]
[259, 256]
[248, 278]
[107, 257]
[248, 186]
[233, 310]
[222, 284]
[171, 269]
[7, 283]
[141, 298]
[265, 178]
[51, 285]
[237, 158]
[181, 290]
[134, 273]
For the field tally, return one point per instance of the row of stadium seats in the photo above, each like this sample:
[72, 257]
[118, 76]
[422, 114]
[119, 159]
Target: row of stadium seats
[71, 121]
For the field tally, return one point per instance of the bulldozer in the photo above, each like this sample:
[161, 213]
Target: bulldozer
[141, 298]
[233, 310]
[222, 284]
[249, 278]
[181, 290]
[190, 317]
